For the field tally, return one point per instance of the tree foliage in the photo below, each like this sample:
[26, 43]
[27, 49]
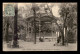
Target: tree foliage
[68, 11]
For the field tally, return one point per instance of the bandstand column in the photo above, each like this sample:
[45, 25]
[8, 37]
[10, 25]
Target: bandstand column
[64, 32]
[52, 30]
[56, 36]
[39, 29]
[28, 29]
[31, 32]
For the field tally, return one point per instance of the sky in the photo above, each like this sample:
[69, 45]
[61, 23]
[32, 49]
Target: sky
[55, 8]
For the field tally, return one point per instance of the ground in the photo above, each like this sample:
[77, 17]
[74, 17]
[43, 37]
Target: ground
[40, 46]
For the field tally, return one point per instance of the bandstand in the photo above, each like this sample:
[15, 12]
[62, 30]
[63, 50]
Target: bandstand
[44, 28]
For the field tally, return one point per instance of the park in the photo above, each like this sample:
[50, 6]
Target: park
[39, 26]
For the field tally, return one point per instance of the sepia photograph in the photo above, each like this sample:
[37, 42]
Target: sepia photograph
[39, 26]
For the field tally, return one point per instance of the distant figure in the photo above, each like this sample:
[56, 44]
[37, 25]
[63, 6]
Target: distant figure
[53, 31]
[59, 39]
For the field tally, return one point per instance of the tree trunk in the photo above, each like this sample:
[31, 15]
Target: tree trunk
[15, 38]
[7, 38]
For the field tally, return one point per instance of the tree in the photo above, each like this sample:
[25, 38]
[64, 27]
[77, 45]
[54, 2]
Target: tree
[15, 38]
[68, 11]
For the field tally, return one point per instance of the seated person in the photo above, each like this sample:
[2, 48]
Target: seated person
[40, 39]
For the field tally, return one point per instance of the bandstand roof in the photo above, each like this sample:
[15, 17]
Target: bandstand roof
[43, 18]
